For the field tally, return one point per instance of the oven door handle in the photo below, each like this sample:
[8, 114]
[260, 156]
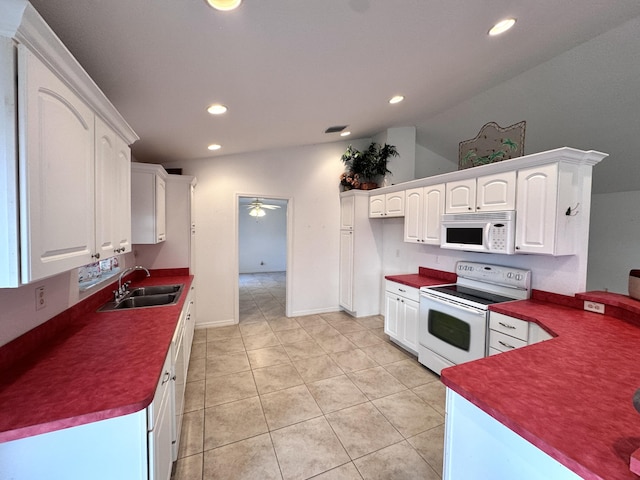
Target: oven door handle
[455, 305]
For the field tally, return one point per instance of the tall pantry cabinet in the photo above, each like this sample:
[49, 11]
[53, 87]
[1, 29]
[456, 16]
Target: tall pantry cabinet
[360, 262]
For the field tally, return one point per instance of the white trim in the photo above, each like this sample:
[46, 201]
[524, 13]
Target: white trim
[34, 33]
[215, 323]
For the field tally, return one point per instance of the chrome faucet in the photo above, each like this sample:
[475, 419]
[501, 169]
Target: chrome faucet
[122, 288]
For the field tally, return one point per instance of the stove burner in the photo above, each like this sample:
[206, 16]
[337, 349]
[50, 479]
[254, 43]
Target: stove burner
[471, 294]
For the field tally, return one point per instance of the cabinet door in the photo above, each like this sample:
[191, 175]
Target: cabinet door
[409, 318]
[56, 167]
[160, 455]
[106, 195]
[346, 269]
[536, 209]
[161, 209]
[347, 212]
[391, 314]
[394, 204]
[433, 210]
[376, 206]
[496, 192]
[122, 201]
[413, 215]
[461, 196]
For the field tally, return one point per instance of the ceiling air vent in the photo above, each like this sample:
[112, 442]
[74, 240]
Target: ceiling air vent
[335, 129]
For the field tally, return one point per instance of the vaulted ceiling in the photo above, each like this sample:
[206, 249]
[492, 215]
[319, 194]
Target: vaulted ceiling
[288, 69]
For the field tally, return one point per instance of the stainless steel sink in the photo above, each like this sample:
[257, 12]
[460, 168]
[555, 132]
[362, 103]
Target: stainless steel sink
[144, 297]
[148, 301]
[155, 290]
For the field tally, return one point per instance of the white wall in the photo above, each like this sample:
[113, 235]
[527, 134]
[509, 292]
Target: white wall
[614, 241]
[308, 177]
[263, 241]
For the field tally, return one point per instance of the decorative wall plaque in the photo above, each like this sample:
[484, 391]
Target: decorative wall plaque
[492, 144]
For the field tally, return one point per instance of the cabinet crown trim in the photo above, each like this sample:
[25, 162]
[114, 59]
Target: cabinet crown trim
[566, 155]
[23, 23]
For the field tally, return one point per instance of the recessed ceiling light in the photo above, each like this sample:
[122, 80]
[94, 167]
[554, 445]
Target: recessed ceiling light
[345, 134]
[224, 5]
[214, 146]
[396, 99]
[502, 26]
[217, 109]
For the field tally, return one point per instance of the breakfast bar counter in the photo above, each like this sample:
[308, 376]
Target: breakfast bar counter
[570, 396]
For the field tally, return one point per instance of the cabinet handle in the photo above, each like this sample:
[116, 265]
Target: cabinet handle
[506, 325]
[517, 247]
[167, 377]
[96, 256]
[505, 344]
[401, 290]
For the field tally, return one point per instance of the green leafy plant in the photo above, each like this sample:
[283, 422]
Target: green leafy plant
[369, 164]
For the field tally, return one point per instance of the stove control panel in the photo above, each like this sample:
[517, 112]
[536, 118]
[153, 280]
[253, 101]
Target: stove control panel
[495, 274]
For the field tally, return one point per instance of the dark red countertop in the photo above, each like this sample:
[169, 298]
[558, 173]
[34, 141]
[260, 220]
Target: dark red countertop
[570, 396]
[426, 277]
[85, 365]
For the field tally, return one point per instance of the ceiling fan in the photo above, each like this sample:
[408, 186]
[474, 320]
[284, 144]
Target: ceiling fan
[256, 208]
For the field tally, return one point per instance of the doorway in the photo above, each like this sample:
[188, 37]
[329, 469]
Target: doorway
[263, 258]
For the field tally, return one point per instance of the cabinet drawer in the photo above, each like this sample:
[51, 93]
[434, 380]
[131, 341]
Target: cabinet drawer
[504, 343]
[403, 290]
[513, 327]
[162, 390]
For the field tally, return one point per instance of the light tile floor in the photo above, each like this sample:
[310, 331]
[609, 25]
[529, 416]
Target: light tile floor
[321, 396]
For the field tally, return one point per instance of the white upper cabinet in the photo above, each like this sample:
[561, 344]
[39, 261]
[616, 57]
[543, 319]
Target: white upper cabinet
[387, 205]
[461, 196]
[484, 194]
[148, 203]
[56, 138]
[59, 178]
[423, 209]
[546, 222]
[496, 192]
[113, 187]
[347, 212]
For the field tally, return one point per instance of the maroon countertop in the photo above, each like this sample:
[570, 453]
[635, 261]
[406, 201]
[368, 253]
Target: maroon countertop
[426, 277]
[86, 365]
[570, 396]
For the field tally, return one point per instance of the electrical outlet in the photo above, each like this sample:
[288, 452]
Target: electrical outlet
[594, 306]
[41, 300]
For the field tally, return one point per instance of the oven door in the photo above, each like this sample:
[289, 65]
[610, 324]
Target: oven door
[453, 331]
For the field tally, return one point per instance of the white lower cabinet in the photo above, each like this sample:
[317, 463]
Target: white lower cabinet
[160, 421]
[508, 333]
[402, 305]
[477, 445]
[139, 446]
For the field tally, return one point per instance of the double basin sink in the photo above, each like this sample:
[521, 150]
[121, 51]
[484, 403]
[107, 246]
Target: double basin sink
[151, 296]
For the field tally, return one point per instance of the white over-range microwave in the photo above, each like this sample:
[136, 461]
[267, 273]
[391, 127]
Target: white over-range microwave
[490, 232]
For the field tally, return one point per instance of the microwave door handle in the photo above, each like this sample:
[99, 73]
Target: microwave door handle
[456, 305]
[487, 230]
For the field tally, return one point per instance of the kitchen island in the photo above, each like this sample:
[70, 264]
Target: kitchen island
[569, 397]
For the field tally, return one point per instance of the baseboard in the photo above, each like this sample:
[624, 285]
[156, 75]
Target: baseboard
[318, 311]
[215, 323]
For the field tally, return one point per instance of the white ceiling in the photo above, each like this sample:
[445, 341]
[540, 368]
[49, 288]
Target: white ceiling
[288, 69]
